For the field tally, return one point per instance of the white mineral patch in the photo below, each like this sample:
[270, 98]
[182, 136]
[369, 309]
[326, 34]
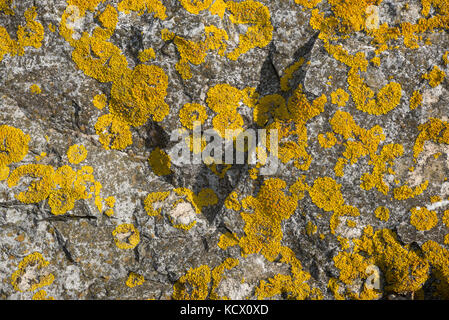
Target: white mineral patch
[437, 205]
[234, 289]
[71, 278]
[183, 213]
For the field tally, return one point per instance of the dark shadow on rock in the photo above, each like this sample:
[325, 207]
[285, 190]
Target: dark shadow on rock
[197, 177]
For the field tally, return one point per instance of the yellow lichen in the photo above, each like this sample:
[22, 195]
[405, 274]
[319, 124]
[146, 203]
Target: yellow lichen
[340, 97]
[415, 100]
[402, 268]
[437, 255]
[153, 198]
[76, 154]
[147, 55]
[35, 89]
[139, 94]
[30, 35]
[217, 275]
[434, 130]
[39, 188]
[288, 74]
[192, 112]
[160, 162]
[41, 295]
[30, 274]
[134, 279]
[326, 194]
[259, 34]
[100, 101]
[311, 228]
[262, 229]
[328, 140]
[196, 6]
[423, 219]
[294, 286]
[232, 202]
[227, 240]
[140, 6]
[446, 58]
[4, 173]
[126, 236]
[382, 213]
[13, 145]
[194, 285]
[435, 76]
[5, 6]
[113, 133]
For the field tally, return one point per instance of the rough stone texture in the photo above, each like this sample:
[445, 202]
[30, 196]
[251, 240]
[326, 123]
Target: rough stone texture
[79, 244]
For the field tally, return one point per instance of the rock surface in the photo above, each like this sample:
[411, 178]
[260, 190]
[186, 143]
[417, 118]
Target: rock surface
[92, 205]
